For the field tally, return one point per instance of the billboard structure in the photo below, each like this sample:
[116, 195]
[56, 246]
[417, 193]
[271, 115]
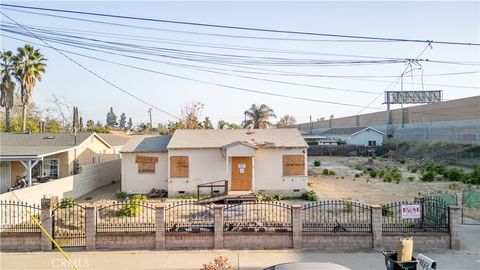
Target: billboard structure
[408, 97]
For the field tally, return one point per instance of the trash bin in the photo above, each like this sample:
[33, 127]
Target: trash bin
[392, 263]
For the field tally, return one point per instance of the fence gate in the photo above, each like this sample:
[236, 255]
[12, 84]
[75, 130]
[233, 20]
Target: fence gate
[69, 225]
[471, 207]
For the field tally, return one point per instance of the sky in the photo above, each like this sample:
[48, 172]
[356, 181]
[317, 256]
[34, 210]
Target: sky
[447, 21]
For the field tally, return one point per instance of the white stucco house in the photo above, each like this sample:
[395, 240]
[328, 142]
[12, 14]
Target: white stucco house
[269, 160]
[365, 136]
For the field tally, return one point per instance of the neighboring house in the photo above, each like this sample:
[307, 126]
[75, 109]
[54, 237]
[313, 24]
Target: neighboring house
[54, 155]
[271, 160]
[318, 140]
[117, 142]
[366, 136]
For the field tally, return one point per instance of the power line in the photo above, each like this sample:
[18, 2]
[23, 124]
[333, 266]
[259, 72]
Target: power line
[215, 84]
[92, 72]
[240, 27]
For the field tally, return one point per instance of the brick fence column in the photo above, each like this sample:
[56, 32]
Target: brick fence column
[47, 205]
[377, 227]
[297, 225]
[160, 227]
[218, 229]
[454, 223]
[90, 227]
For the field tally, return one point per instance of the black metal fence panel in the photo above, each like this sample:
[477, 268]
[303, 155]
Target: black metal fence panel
[69, 225]
[434, 217]
[189, 216]
[14, 216]
[336, 216]
[258, 217]
[128, 216]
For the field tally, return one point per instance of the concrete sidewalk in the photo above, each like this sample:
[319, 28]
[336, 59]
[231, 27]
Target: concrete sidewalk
[244, 260]
[467, 258]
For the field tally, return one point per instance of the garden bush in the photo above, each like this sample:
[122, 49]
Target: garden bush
[325, 171]
[373, 173]
[67, 202]
[132, 207]
[455, 174]
[121, 195]
[428, 176]
[309, 196]
[317, 163]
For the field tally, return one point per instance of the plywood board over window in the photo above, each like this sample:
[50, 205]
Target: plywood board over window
[146, 164]
[293, 165]
[179, 166]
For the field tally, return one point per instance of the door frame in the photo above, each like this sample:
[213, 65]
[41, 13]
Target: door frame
[232, 169]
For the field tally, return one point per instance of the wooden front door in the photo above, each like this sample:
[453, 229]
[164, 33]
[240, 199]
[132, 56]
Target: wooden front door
[242, 173]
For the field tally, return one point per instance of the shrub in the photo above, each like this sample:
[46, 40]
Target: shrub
[453, 186]
[428, 176]
[347, 206]
[357, 175]
[219, 263]
[260, 196]
[373, 173]
[310, 183]
[474, 177]
[132, 208]
[67, 202]
[332, 172]
[325, 171]
[358, 167]
[411, 178]
[309, 196]
[454, 174]
[413, 170]
[387, 212]
[381, 173]
[121, 195]
[436, 168]
[402, 161]
[317, 163]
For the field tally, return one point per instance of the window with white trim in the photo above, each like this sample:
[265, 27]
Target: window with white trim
[50, 168]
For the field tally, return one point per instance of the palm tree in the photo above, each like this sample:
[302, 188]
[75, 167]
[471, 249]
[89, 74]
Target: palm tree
[29, 66]
[222, 124]
[286, 121]
[207, 123]
[7, 86]
[258, 116]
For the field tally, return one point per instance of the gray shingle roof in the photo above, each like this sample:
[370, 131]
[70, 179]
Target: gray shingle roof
[345, 131]
[114, 140]
[36, 144]
[218, 138]
[146, 144]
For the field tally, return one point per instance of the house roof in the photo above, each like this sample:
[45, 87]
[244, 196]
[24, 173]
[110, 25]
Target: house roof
[115, 140]
[40, 144]
[218, 138]
[146, 144]
[347, 131]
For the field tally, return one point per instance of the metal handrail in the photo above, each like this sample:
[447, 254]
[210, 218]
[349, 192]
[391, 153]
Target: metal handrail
[212, 185]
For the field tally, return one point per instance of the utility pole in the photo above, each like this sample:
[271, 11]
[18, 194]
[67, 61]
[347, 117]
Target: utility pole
[150, 113]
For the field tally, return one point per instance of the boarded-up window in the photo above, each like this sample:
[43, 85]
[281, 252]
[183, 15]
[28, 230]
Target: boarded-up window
[146, 164]
[293, 165]
[179, 166]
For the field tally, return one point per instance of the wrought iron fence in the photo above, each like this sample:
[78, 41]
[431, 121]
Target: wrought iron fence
[433, 217]
[258, 217]
[336, 216]
[128, 216]
[189, 216]
[69, 225]
[14, 217]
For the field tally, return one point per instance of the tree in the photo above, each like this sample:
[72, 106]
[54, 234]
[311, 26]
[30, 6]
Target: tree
[111, 118]
[190, 114]
[98, 124]
[52, 125]
[130, 123]
[258, 116]
[123, 121]
[75, 120]
[7, 86]
[222, 124]
[29, 66]
[90, 124]
[80, 124]
[234, 126]
[207, 124]
[286, 121]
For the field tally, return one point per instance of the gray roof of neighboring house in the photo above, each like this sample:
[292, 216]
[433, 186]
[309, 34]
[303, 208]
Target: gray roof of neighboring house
[114, 140]
[38, 144]
[146, 144]
[218, 138]
[346, 131]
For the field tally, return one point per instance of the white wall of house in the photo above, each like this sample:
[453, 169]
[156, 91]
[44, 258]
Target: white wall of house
[363, 137]
[205, 165]
[134, 182]
[268, 171]
[240, 150]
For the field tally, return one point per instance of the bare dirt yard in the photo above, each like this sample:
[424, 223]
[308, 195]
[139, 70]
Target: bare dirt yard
[353, 182]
